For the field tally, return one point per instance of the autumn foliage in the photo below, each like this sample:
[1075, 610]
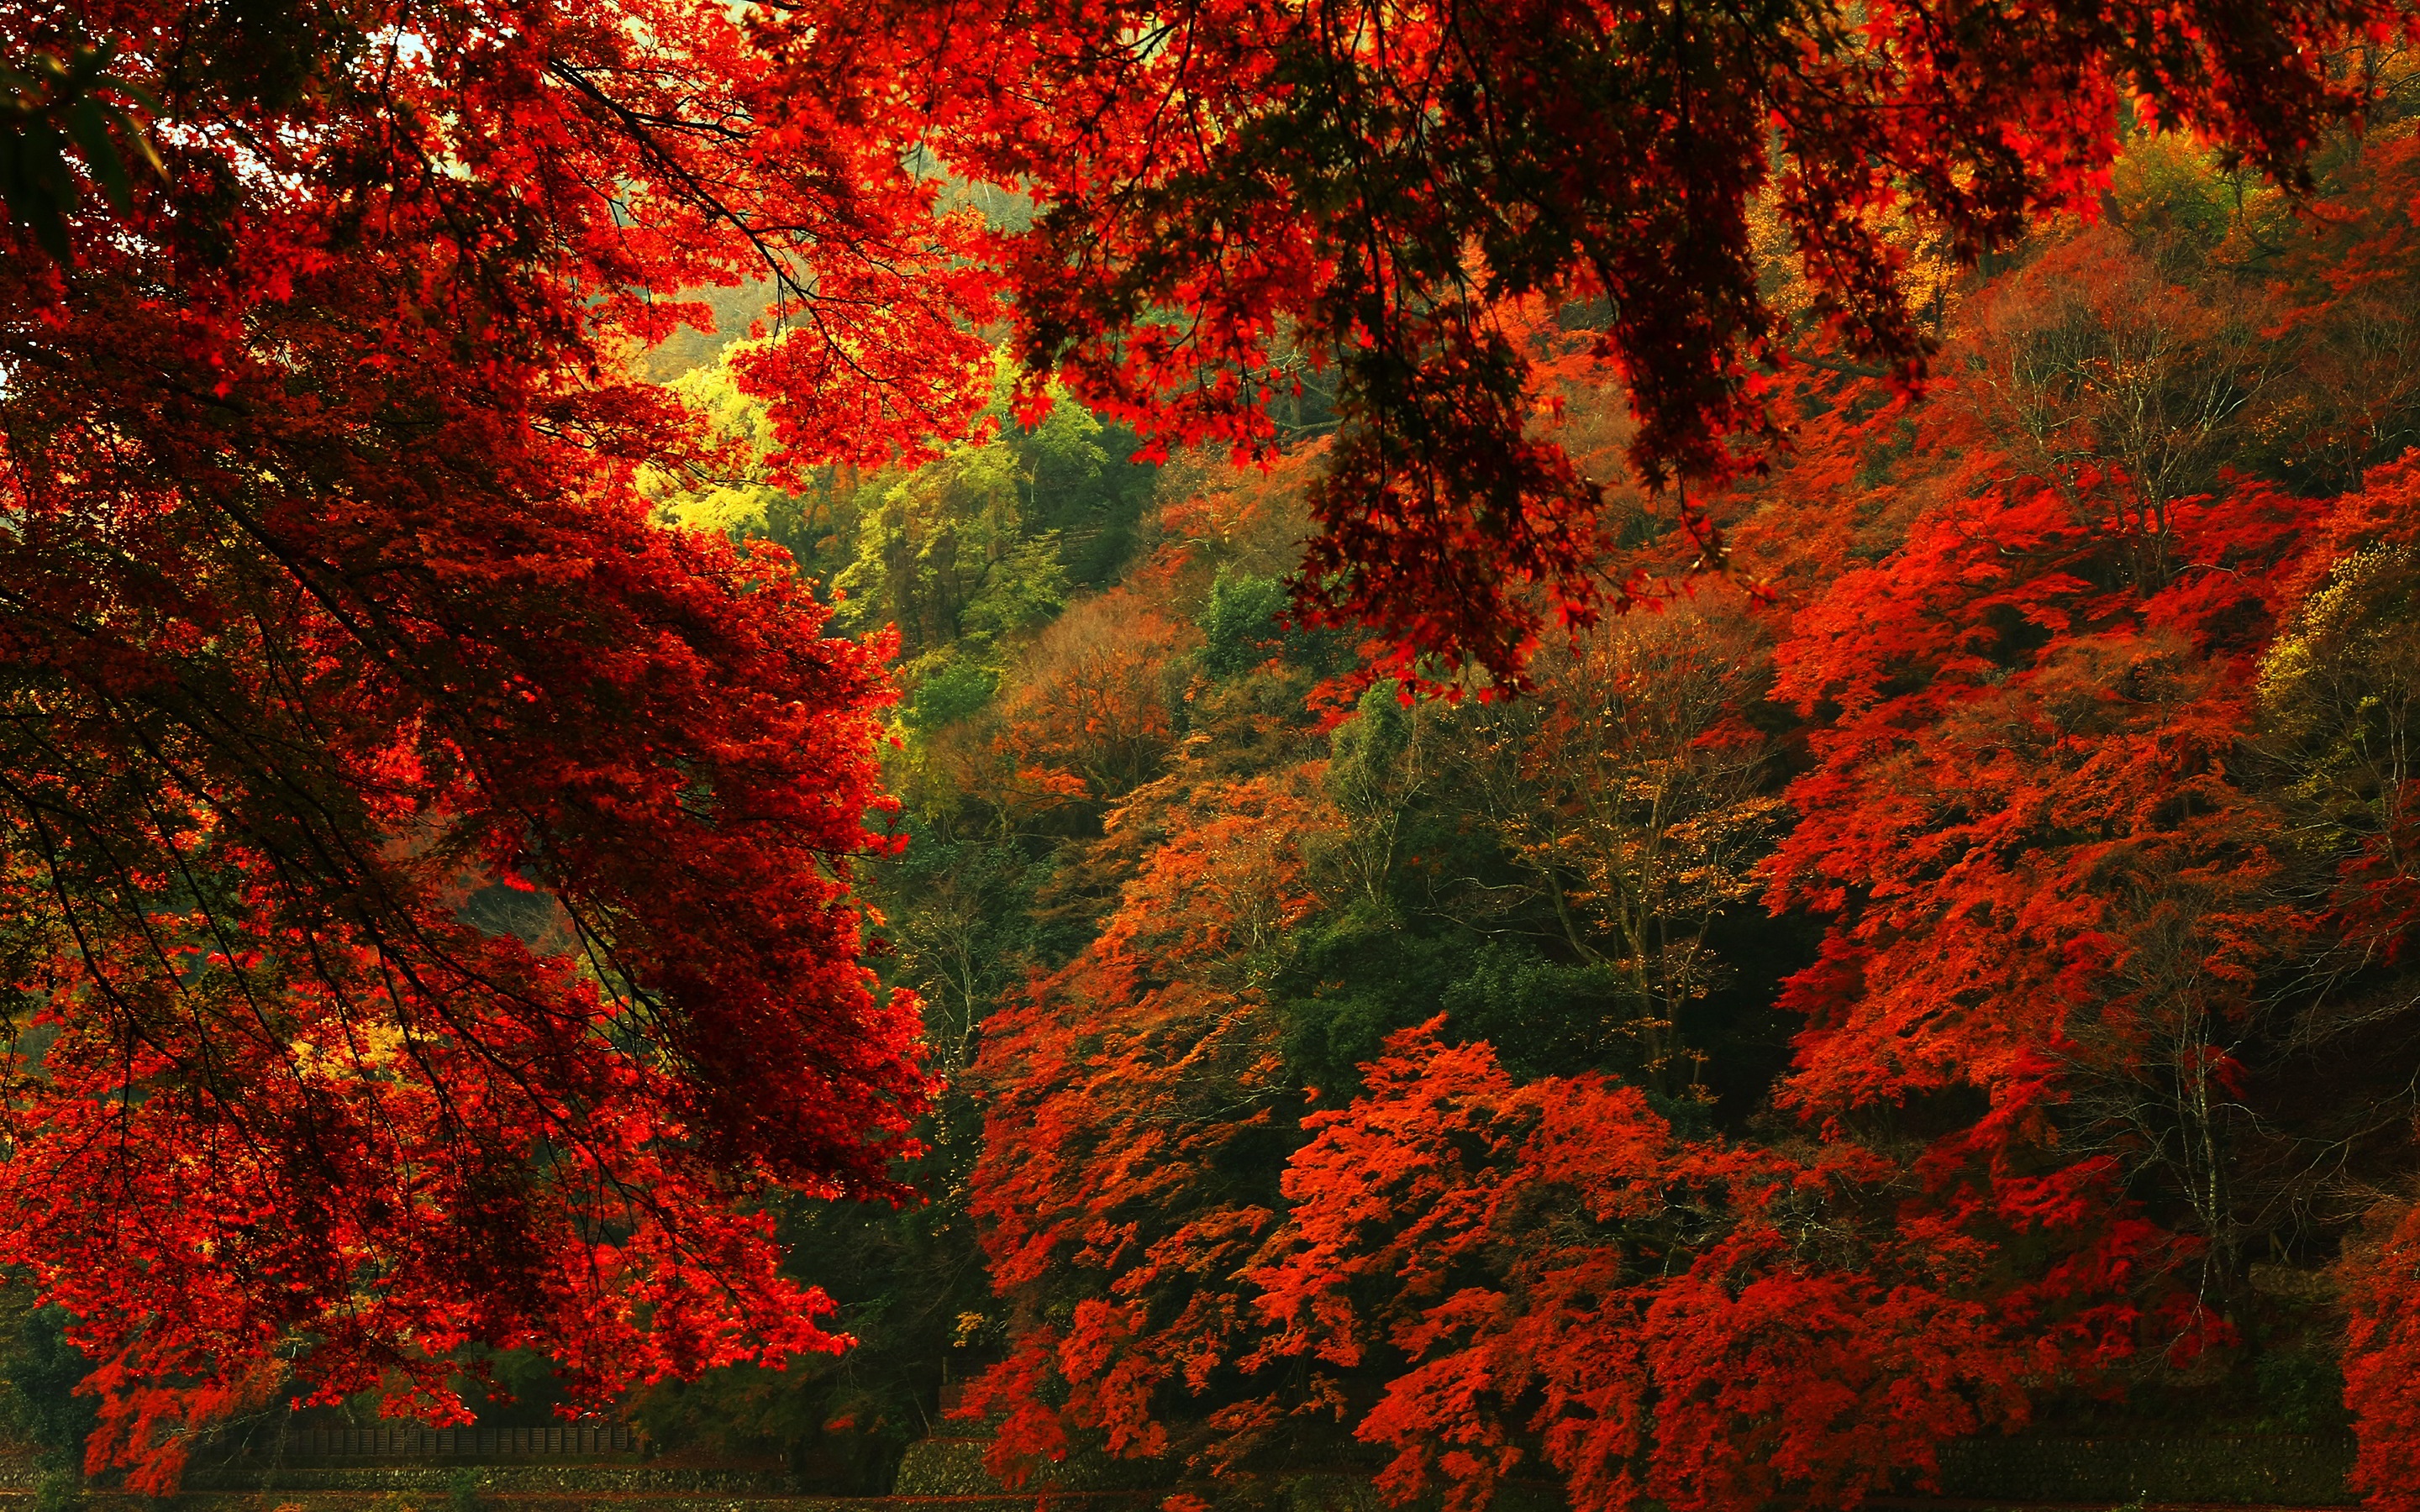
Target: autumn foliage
[2070, 738]
[426, 909]
[1371, 184]
[1934, 962]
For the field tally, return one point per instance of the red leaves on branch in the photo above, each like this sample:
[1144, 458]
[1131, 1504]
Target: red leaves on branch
[426, 882]
[1093, 709]
[2381, 1345]
[1133, 1079]
[1227, 191]
[294, 1090]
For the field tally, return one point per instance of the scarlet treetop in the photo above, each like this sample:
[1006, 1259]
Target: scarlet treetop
[427, 906]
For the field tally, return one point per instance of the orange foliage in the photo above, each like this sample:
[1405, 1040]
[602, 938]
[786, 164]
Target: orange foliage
[1119, 1088]
[1096, 700]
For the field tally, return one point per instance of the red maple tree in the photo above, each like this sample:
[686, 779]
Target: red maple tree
[427, 882]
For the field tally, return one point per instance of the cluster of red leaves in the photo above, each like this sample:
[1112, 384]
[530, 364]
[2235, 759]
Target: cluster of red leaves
[1521, 1264]
[331, 610]
[1144, 1078]
[1505, 1264]
[1552, 1265]
[424, 882]
[1092, 712]
[1225, 188]
[2381, 1347]
[2044, 733]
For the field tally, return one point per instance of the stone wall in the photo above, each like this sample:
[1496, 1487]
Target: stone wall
[2244, 1470]
[2300, 1471]
[954, 1467]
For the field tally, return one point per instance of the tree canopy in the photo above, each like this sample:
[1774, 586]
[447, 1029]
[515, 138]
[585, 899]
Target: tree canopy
[440, 763]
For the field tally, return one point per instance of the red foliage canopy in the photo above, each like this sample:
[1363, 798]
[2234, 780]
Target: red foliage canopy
[1226, 189]
[332, 625]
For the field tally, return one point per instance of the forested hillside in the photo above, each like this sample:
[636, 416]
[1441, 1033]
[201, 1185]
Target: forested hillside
[1941, 970]
[1646, 747]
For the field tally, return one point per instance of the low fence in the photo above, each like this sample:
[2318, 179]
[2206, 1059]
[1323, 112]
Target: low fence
[403, 1442]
